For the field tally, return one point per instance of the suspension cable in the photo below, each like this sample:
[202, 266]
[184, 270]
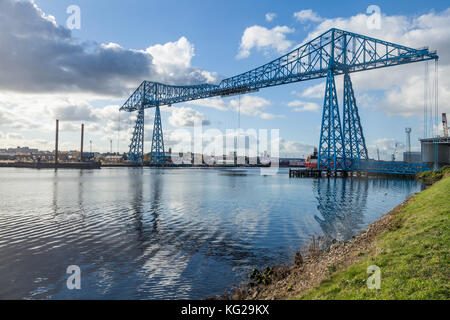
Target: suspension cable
[436, 95]
[425, 102]
[118, 135]
[239, 113]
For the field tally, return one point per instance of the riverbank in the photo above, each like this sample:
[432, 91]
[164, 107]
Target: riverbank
[410, 245]
[51, 165]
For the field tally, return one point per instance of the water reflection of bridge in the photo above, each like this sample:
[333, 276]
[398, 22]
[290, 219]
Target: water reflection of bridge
[342, 203]
[140, 206]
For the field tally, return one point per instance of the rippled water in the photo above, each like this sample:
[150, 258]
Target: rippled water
[168, 233]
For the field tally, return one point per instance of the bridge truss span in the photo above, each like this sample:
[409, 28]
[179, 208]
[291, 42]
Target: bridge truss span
[335, 52]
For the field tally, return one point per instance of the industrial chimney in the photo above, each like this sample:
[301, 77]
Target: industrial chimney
[56, 143]
[82, 140]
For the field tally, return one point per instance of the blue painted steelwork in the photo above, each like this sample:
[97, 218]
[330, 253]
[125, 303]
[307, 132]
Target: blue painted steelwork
[392, 167]
[334, 52]
[157, 154]
[354, 142]
[349, 52]
[331, 146]
[136, 152]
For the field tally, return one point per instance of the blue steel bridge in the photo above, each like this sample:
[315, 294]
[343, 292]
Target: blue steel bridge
[336, 52]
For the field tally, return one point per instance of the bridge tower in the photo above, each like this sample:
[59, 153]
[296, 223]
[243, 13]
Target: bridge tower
[354, 143]
[341, 150]
[136, 153]
[342, 146]
[157, 154]
[331, 146]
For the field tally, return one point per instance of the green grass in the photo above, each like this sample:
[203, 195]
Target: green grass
[413, 255]
[430, 177]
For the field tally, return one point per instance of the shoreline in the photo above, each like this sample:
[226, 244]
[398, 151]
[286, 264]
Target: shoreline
[98, 165]
[339, 271]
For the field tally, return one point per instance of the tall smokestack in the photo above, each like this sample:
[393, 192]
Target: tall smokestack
[82, 139]
[56, 143]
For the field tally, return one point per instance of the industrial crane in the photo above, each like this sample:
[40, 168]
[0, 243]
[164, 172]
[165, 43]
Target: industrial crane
[395, 152]
[336, 52]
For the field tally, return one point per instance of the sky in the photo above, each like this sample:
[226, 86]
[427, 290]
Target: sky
[48, 70]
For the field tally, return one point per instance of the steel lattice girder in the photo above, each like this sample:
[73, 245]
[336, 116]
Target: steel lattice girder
[333, 53]
[331, 147]
[392, 167]
[137, 141]
[343, 51]
[157, 154]
[354, 143]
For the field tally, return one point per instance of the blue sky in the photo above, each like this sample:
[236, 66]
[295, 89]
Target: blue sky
[214, 31]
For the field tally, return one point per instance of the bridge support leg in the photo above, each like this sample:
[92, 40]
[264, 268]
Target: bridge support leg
[354, 143]
[157, 154]
[331, 146]
[136, 153]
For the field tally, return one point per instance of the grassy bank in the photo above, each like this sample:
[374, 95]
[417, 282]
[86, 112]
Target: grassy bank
[430, 177]
[410, 245]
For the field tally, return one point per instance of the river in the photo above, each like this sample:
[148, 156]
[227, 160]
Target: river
[185, 233]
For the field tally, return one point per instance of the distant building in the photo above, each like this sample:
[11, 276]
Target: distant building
[89, 155]
[113, 158]
[292, 162]
[435, 150]
[412, 157]
[6, 156]
[22, 150]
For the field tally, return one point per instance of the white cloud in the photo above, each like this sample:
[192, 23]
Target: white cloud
[307, 15]
[399, 90]
[386, 148]
[14, 136]
[69, 126]
[17, 119]
[264, 39]
[172, 57]
[294, 149]
[38, 55]
[178, 53]
[35, 114]
[186, 117]
[268, 116]
[314, 92]
[47, 74]
[249, 105]
[416, 31]
[73, 112]
[270, 16]
[215, 103]
[301, 106]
